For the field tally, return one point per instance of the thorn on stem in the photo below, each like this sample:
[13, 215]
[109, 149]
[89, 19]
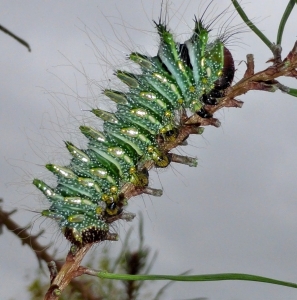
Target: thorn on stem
[53, 270]
[152, 191]
[185, 160]
[57, 292]
[250, 64]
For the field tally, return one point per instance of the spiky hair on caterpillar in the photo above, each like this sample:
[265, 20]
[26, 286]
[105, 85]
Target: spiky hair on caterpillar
[94, 188]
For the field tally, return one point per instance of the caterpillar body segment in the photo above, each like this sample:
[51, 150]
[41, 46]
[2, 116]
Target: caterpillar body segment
[91, 191]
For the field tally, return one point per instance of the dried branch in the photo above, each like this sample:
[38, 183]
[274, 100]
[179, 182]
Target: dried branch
[69, 270]
[40, 251]
[23, 234]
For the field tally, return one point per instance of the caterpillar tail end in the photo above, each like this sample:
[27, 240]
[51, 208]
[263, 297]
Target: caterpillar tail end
[88, 236]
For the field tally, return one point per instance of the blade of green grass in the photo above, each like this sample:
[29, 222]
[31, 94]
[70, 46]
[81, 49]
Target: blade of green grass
[205, 277]
[292, 92]
[286, 89]
[283, 21]
[252, 26]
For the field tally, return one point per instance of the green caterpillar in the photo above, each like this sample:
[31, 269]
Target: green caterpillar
[91, 190]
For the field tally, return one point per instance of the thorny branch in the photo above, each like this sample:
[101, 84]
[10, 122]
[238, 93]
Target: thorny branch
[39, 250]
[69, 270]
[23, 234]
[264, 81]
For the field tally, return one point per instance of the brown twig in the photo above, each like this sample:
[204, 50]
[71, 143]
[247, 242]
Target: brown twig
[25, 237]
[262, 81]
[69, 270]
[40, 251]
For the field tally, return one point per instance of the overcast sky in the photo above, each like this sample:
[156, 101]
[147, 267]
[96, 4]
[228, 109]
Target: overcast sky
[235, 212]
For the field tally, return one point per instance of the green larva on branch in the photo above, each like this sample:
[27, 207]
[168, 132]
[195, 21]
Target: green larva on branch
[94, 188]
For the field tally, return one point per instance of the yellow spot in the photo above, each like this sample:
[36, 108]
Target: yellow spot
[167, 128]
[113, 211]
[105, 197]
[171, 134]
[161, 160]
[192, 89]
[150, 149]
[99, 210]
[132, 170]
[109, 198]
[168, 114]
[113, 189]
[139, 179]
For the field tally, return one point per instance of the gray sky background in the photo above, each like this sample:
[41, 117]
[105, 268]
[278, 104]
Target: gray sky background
[236, 212]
